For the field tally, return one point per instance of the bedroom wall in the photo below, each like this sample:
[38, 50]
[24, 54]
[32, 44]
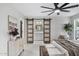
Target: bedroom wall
[6, 10]
[57, 24]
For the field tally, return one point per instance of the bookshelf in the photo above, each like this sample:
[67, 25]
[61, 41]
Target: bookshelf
[46, 30]
[30, 30]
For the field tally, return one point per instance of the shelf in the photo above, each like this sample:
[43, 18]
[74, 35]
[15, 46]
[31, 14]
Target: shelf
[46, 31]
[46, 36]
[30, 19]
[30, 36]
[47, 20]
[46, 24]
[30, 24]
[30, 30]
[46, 28]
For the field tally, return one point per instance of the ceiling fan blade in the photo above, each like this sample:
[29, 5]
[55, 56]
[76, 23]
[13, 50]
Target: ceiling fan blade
[46, 7]
[64, 10]
[56, 5]
[64, 5]
[51, 13]
[46, 11]
[73, 6]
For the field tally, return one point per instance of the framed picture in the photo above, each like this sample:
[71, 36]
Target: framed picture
[39, 27]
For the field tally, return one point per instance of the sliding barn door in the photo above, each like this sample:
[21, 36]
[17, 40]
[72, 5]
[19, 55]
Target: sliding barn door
[30, 30]
[46, 30]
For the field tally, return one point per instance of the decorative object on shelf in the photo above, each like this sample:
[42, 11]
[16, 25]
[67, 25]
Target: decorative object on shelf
[39, 27]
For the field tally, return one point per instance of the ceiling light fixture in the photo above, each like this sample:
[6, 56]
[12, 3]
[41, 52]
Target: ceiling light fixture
[57, 11]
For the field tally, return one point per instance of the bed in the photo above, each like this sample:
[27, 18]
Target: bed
[62, 48]
[53, 49]
[71, 46]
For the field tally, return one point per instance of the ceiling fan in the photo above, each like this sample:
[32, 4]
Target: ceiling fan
[57, 9]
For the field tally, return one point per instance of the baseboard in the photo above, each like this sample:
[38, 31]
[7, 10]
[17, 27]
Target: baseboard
[3, 54]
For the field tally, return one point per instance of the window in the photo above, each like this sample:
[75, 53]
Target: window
[76, 29]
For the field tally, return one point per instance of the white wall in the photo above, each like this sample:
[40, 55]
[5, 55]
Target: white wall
[57, 24]
[6, 10]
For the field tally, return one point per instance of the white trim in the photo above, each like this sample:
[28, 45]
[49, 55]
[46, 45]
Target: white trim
[74, 29]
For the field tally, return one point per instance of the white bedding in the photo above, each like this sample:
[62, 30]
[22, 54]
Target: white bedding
[55, 49]
[75, 42]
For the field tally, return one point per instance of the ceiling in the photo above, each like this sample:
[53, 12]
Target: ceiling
[34, 9]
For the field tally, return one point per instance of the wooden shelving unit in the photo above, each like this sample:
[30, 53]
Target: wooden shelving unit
[46, 30]
[30, 30]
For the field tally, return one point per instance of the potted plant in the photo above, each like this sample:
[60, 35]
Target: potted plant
[68, 28]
